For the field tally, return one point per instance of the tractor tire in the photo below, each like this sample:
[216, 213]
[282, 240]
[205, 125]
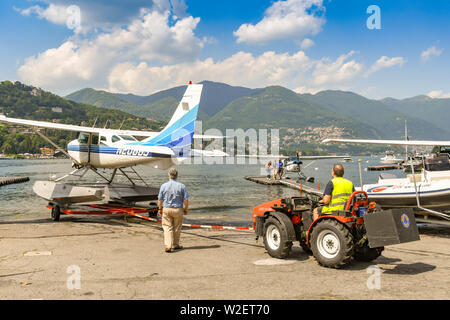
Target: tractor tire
[276, 239]
[56, 213]
[367, 254]
[332, 244]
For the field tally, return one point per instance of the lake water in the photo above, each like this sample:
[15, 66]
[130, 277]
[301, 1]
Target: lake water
[218, 193]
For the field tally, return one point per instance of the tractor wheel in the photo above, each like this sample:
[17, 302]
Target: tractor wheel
[332, 244]
[276, 239]
[56, 213]
[367, 254]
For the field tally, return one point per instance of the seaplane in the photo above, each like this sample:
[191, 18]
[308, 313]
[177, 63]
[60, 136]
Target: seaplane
[294, 164]
[116, 152]
[427, 191]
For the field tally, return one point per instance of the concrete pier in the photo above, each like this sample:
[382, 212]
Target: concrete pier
[290, 183]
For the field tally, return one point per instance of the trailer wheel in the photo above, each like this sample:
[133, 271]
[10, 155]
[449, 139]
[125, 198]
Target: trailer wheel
[367, 254]
[276, 239]
[332, 244]
[56, 212]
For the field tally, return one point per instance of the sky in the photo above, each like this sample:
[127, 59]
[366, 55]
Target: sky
[375, 48]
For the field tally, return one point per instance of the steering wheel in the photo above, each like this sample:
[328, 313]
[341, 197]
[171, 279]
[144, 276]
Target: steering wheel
[356, 200]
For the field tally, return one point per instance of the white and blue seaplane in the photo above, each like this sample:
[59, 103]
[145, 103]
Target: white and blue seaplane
[116, 152]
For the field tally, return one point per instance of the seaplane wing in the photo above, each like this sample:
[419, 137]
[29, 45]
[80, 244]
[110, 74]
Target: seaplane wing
[391, 142]
[75, 128]
[321, 157]
[251, 156]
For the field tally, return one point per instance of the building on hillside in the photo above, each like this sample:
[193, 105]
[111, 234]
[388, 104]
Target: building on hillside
[36, 92]
[47, 151]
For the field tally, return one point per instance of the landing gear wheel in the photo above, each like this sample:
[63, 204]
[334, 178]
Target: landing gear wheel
[275, 239]
[332, 244]
[367, 254]
[56, 213]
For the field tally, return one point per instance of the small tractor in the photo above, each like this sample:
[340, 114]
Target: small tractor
[360, 231]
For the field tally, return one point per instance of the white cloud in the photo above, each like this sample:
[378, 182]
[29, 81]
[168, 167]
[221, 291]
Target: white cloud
[438, 94]
[306, 89]
[150, 37]
[430, 52]
[283, 20]
[341, 70]
[385, 62]
[56, 14]
[306, 44]
[101, 14]
[241, 69]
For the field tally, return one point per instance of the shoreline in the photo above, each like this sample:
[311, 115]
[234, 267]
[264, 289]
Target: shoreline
[123, 259]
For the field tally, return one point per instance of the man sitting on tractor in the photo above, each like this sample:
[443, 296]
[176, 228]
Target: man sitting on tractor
[336, 194]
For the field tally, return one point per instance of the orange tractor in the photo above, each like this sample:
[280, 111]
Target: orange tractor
[360, 231]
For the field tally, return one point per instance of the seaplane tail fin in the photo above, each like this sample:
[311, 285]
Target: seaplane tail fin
[179, 132]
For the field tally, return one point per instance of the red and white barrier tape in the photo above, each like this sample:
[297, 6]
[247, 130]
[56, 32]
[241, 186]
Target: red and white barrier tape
[196, 225]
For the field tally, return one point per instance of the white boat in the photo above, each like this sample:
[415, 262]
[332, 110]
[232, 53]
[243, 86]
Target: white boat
[391, 159]
[433, 187]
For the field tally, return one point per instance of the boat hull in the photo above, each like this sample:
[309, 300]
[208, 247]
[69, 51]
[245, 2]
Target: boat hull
[400, 196]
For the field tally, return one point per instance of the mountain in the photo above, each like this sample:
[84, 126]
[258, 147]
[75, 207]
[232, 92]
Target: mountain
[21, 101]
[301, 122]
[105, 99]
[161, 105]
[388, 120]
[435, 111]
[303, 119]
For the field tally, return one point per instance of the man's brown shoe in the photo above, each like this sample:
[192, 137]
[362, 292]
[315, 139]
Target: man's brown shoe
[168, 250]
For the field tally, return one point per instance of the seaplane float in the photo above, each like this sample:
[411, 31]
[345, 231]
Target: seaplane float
[427, 191]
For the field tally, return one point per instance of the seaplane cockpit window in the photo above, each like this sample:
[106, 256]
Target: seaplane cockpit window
[128, 138]
[83, 138]
[94, 139]
[115, 139]
[103, 140]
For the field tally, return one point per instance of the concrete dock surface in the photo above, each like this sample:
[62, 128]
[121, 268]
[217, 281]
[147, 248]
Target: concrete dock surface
[114, 258]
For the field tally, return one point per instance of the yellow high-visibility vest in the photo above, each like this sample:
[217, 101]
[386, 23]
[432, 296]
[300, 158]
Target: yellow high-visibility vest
[342, 190]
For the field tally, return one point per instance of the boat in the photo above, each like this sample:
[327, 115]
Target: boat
[432, 183]
[390, 158]
[416, 162]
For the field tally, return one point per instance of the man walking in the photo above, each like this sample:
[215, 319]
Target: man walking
[172, 196]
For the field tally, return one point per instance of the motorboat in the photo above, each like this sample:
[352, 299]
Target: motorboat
[416, 162]
[391, 159]
[432, 185]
